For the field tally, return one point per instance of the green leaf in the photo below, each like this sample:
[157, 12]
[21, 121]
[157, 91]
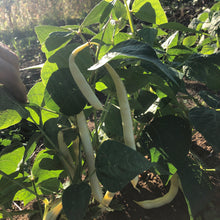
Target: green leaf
[117, 164]
[171, 136]
[40, 173]
[148, 35]
[136, 50]
[208, 49]
[36, 94]
[11, 112]
[57, 39]
[9, 162]
[43, 32]
[133, 78]
[75, 200]
[149, 11]
[177, 27]
[25, 196]
[113, 124]
[172, 41]
[47, 70]
[190, 40]
[207, 122]
[205, 68]
[196, 186]
[62, 94]
[216, 7]
[49, 186]
[8, 118]
[99, 13]
[83, 58]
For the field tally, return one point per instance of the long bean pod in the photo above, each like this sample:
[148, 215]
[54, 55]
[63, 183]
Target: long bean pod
[81, 81]
[90, 159]
[125, 112]
[166, 199]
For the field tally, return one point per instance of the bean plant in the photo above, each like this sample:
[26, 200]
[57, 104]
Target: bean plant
[125, 67]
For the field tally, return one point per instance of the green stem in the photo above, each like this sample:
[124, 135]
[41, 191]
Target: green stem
[129, 17]
[38, 199]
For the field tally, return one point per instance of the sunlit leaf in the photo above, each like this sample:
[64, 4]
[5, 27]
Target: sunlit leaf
[99, 13]
[36, 94]
[9, 162]
[149, 11]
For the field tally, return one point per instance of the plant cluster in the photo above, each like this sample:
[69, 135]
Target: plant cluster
[138, 60]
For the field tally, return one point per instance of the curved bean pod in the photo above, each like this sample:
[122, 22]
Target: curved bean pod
[81, 81]
[166, 199]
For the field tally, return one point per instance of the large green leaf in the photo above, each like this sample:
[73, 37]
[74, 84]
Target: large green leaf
[9, 161]
[47, 70]
[170, 135]
[62, 94]
[11, 112]
[117, 164]
[75, 200]
[149, 11]
[148, 35]
[83, 58]
[57, 39]
[43, 33]
[137, 50]
[36, 94]
[41, 173]
[25, 196]
[205, 68]
[99, 13]
[196, 186]
[207, 122]
[51, 185]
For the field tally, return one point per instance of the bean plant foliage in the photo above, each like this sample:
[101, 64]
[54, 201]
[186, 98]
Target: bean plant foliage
[151, 56]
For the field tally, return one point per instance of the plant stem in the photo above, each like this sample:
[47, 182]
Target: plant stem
[129, 17]
[38, 199]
